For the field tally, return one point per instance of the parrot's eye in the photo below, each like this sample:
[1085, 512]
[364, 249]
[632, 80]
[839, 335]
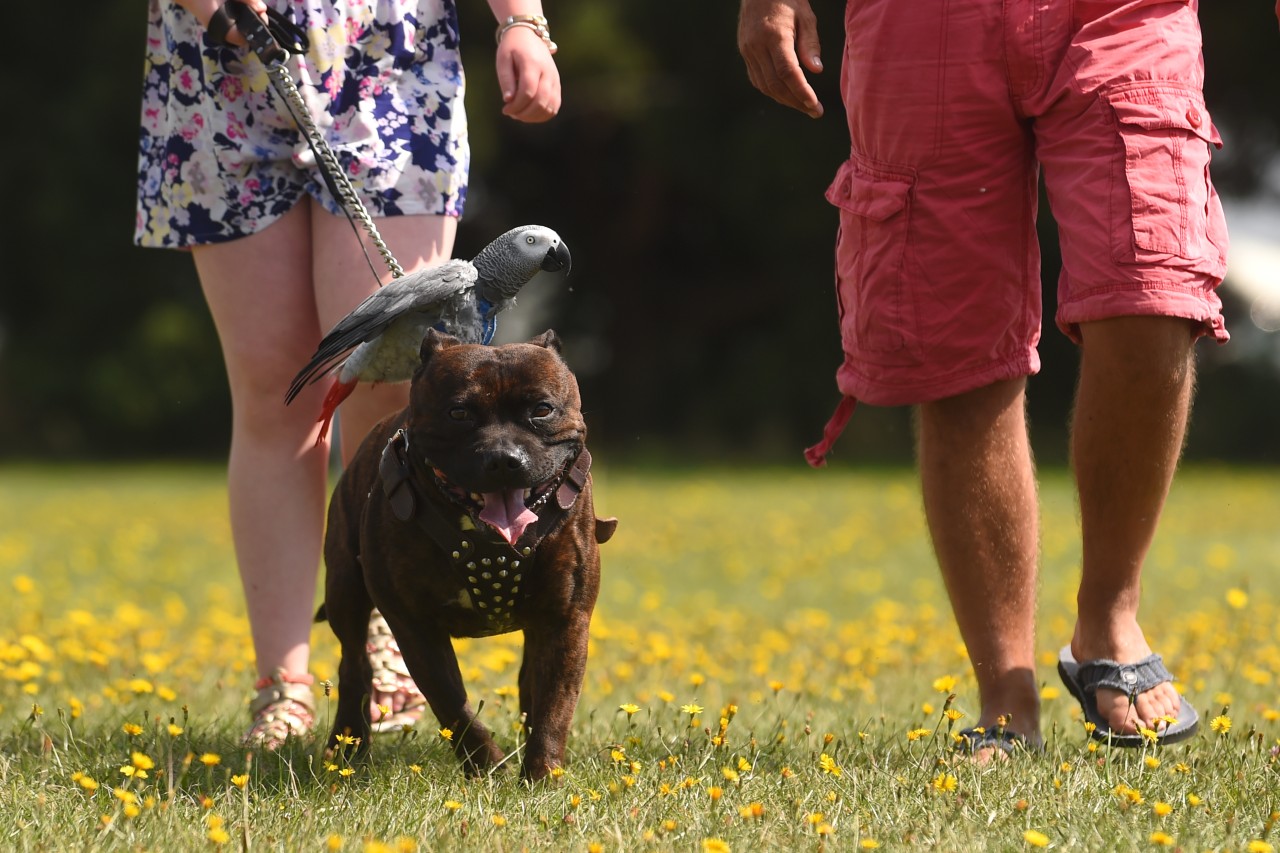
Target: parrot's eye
[529, 240]
[542, 410]
[458, 413]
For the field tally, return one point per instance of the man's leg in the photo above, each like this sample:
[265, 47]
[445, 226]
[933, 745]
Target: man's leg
[980, 501]
[1136, 379]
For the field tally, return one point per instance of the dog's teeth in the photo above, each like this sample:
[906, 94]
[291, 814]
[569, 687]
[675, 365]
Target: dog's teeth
[528, 493]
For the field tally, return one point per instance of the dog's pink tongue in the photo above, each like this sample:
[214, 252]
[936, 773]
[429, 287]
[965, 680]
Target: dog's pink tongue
[506, 513]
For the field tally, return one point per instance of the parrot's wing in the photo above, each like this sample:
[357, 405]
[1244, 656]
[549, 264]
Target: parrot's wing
[416, 293]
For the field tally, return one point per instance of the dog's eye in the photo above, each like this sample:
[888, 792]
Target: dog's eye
[542, 410]
[458, 413]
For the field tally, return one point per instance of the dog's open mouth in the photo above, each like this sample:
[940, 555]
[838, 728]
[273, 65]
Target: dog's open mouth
[510, 511]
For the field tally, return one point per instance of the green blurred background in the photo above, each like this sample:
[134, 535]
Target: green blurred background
[700, 315]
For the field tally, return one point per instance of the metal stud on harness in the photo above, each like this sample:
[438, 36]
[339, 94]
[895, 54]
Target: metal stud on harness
[272, 42]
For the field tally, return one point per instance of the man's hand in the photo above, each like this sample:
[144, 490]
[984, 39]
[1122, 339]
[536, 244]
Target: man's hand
[776, 38]
[527, 76]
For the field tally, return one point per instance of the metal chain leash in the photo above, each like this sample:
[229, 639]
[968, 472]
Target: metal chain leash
[337, 179]
[272, 42]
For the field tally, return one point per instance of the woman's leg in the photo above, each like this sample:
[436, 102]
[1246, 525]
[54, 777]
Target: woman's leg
[342, 280]
[259, 290]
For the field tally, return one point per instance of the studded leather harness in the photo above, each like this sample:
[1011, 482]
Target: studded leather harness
[492, 568]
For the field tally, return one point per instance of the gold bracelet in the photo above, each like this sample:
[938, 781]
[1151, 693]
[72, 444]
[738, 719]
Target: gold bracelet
[537, 23]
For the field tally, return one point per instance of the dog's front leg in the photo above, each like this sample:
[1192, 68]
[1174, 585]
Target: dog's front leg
[555, 660]
[433, 664]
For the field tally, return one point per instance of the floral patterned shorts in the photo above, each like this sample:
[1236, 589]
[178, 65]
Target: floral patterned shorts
[221, 157]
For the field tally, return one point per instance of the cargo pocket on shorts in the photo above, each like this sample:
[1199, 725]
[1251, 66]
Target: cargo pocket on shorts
[1161, 202]
[878, 317]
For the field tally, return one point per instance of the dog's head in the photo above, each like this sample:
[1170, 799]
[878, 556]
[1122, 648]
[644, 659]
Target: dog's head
[500, 425]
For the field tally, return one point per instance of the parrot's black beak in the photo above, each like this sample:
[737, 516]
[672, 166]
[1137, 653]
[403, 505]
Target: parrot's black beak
[558, 259]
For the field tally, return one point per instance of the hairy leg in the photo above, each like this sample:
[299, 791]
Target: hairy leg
[1136, 380]
[259, 291]
[980, 501]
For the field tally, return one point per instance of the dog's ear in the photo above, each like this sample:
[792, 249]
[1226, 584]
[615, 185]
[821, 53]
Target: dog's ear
[550, 340]
[434, 342]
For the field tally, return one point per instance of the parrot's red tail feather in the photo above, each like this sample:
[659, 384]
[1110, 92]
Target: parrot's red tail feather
[338, 392]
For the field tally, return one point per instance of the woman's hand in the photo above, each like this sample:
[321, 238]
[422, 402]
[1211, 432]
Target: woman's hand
[527, 76]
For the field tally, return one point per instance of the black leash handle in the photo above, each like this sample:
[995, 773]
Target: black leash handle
[272, 40]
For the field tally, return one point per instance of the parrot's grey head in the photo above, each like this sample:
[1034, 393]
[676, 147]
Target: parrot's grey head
[509, 262]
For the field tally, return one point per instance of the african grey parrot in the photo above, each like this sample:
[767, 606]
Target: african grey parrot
[384, 333]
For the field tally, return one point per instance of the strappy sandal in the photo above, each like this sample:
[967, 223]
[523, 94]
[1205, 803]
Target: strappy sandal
[284, 708]
[391, 677]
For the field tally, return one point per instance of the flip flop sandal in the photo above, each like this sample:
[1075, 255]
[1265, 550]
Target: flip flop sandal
[976, 739]
[1084, 679]
[283, 708]
[391, 676]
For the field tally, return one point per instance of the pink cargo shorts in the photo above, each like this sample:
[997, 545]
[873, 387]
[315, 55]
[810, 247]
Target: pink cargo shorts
[954, 106]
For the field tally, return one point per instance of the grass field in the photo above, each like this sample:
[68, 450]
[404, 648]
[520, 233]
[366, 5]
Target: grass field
[771, 666]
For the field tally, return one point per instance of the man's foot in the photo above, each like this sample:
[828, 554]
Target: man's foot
[1128, 704]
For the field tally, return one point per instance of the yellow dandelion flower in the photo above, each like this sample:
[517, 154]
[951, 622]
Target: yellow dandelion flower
[815, 818]
[1035, 839]
[744, 765]
[944, 782]
[1237, 598]
[697, 679]
[1048, 693]
[240, 779]
[1259, 846]
[446, 734]
[346, 772]
[1221, 724]
[415, 768]
[824, 829]
[1151, 761]
[666, 697]
[752, 810]
[787, 772]
[333, 843]
[953, 715]
[1164, 839]
[714, 845]
[219, 836]
[1270, 715]
[210, 759]
[691, 709]
[945, 684]
[868, 844]
[827, 764]
[1193, 800]
[595, 847]
[499, 820]
[916, 734]
[452, 805]
[715, 792]
[776, 686]
[87, 782]
[729, 774]
[669, 826]
[629, 708]
[131, 811]
[131, 729]
[557, 772]
[141, 761]
[174, 730]
[1162, 809]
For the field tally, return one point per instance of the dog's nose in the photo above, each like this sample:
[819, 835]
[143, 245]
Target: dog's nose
[504, 460]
